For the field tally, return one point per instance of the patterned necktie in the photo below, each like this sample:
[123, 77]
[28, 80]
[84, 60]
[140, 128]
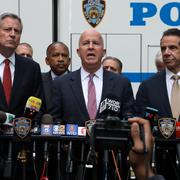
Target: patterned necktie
[91, 105]
[7, 81]
[175, 97]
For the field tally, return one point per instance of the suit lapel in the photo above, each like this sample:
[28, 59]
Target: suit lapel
[17, 79]
[75, 83]
[3, 98]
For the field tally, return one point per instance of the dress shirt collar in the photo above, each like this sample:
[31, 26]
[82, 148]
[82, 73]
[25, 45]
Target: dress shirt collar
[98, 73]
[53, 75]
[169, 74]
[11, 58]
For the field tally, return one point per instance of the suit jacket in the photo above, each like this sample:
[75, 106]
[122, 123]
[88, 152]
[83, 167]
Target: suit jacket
[68, 99]
[27, 82]
[48, 88]
[153, 93]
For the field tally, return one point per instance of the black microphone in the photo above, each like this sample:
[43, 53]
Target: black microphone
[46, 130]
[2, 120]
[109, 106]
[2, 117]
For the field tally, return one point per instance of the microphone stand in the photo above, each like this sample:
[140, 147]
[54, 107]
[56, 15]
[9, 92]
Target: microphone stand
[8, 162]
[106, 160]
[69, 165]
[22, 156]
[58, 160]
[80, 172]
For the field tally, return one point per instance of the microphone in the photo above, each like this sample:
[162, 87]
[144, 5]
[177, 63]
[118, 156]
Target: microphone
[2, 120]
[2, 117]
[151, 114]
[32, 107]
[71, 130]
[110, 106]
[46, 130]
[46, 125]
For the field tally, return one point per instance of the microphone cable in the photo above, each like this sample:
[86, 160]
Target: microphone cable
[115, 163]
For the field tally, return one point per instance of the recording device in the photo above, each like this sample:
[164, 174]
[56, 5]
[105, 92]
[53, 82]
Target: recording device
[151, 114]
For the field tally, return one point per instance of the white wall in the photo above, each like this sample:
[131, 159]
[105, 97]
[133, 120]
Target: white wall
[36, 16]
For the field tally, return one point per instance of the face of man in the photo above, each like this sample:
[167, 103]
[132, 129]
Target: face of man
[91, 50]
[58, 59]
[24, 51]
[10, 33]
[111, 65]
[170, 48]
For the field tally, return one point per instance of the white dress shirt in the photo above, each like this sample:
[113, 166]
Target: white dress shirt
[98, 82]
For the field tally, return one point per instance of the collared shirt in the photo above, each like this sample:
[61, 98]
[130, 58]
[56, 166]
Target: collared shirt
[98, 82]
[169, 82]
[53, 75]
[12, 65]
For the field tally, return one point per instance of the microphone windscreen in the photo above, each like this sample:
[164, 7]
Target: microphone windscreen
[3, 117]
[47, 119]
[34, 103]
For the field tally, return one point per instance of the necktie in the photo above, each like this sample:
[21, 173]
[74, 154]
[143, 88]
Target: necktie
[91, 105]
[7, 81]
[175, 97]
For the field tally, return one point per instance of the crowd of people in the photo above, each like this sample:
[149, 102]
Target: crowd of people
[75, 97]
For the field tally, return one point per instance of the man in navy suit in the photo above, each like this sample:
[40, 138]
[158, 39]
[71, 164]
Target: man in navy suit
[156, 93]
[57, 58]
[71, 91]
[25, 73]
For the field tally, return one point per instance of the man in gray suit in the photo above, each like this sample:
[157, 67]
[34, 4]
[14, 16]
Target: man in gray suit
[70, 103]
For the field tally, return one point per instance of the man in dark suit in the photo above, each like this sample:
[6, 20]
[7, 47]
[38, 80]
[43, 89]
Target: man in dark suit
[57, 57]
[24, 74]
[156, 93]
[70, 103]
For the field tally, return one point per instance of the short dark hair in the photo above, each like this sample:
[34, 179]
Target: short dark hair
[11, 15]
[53, 44]
[171, 32]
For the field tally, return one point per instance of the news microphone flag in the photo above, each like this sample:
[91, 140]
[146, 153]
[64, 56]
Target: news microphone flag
[58, 129]
[72, 129]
